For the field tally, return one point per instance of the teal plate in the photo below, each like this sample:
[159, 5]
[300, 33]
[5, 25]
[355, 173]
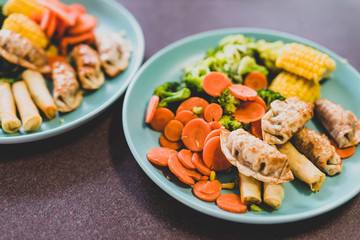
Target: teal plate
[299, 202]
[111, 17]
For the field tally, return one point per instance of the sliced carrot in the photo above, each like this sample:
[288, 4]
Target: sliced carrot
[61, 28]
[192, 102]
[193, 174]
[207, 191]
[194, 134]
[52, 26]
[343, 152]
[77, 7]
[37, 17]
[84, 23]
[261, 102]
[151, 108]
[184, 157]
[45, 21]
[214, 133]
[179, 170]
[215, 125]
[160, 155]
[204, 178]
[161, 117]
[169, 144]
[199, 164]
[256, 81]
[256, 129]
[173, 130]
[249, 112]
[231, 202]
[60, 9]
[56, 58]
[243, 92]
[213, 157]
[75, 39]
[214, 83]
[213, 112]
[185, 116]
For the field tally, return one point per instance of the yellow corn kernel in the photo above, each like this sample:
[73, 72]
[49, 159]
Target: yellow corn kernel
[212, 176]
[228, 185]
[290, 85]
[52, 51]
[305, 61]
[26, 7]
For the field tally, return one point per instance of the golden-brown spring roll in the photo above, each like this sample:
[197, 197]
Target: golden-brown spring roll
[273, 194]
[40, 93]
[29, 114]
[9, 121]
[250, 189]
[302, 167]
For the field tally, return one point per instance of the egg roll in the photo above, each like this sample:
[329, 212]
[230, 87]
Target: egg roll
[342, 125]
[274, 194]
[284, 119]
[250, 189]
[40, 93]
[9, 121]
[29, 114]
[318, 149]
[303, 168]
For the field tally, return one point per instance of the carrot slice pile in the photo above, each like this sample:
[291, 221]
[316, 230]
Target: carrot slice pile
[161, 117]
[213, 157]
[185, 116]
[213, 112]
[215, 125]
[178, 169]
[169, 144]
[207, 191]
[256, 81]
[199, 164]
[160, 155]
[194, 134]
[214, 133]
[214, 83]
[231, 203]
[256, 129]
[249, 112]
[191, 103]
[243, 92]
[185, 156]
[173, 130]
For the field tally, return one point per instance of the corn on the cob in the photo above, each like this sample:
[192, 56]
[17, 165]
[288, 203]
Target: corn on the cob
[26, 7]
[305, 62]
[290, 85]
[27, 28]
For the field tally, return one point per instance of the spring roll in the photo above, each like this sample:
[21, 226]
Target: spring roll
[9, 121]
[274, 194]
[302, 167]
[318, 149]
[29, 114]
[254, 157]
[250, 190]
[40, 93]
[284, 119]
[342, 125]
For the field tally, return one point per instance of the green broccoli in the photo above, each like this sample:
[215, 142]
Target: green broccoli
[269, 96]
[268, 52]
[231, 124]
[197, 110]
[228, 102]
[171, 92]
[248, 65]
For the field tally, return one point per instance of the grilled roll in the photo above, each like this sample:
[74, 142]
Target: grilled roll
[9, 121]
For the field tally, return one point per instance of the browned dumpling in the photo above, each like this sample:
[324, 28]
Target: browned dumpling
[284, 119]
[88, 66]
[67, 93]
[342, 125]
[254, 157]
[21, 51]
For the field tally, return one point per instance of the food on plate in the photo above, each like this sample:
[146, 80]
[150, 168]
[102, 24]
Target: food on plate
[268, 96]
[207, 191]
[151, 108]
[26, 7]
[9, 121]
[160, 155]
[231, 203]
[88, 66]
[67, 93]
[274, 194]
[40, 93]
[303, 168]
[30, 117]
[114, 52]
[250, 189]
[171, 92]
[289, 85]
[284, 119]
[317, 148]
[305, 62]
[343, 152]
[256, 81]
[342, 125]
[254, 157]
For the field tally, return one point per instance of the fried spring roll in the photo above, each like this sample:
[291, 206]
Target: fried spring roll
[274, 194]
[9, 121]
[318, 149]
[30, 116]
[40, 93]
[302, 167]
[250, 190]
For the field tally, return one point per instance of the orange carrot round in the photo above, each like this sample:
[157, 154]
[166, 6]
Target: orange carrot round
[256, 129]
[343, 152]
[213, 157]
[243, 92]
[185, 116]
[249, 112]
[213, 112]
[204, 178]
[179, 170]
[207, 191]
[214, 133]
[193, 174]
[261, 102]
[185, 156]
[199, 164]
[169, 144]
[50, 30]
[214, 83]
[160, 155]
[194, 134]
[151, 108]
[215, 125]
[231, 202]
[84, 23]
[161, 117]
[45, 20]
[256, 81]
[192, 102]
[173, 130]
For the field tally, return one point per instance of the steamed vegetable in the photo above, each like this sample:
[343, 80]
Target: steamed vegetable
[228, 102]
[268, 52]
[171, 92]
[231, 124]
[269, 96]
[249, 65]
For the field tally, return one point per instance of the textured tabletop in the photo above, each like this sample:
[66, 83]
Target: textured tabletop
[86, 184]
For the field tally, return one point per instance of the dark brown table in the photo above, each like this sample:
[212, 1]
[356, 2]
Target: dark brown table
[86, 184]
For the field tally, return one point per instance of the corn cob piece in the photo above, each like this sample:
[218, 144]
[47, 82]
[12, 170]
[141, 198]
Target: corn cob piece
[305, 62]
[290, 85]
[26, 7]
[23, 25]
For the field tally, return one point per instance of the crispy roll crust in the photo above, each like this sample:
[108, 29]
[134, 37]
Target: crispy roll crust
[250, 190]
[9, 121]
[274, 194]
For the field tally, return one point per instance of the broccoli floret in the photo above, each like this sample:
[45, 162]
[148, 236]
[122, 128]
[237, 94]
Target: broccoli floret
[269, 96]
[197, 110]
[231, 124]
[228, 102]
[248, 65]
[268, 52]
[171, 92]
